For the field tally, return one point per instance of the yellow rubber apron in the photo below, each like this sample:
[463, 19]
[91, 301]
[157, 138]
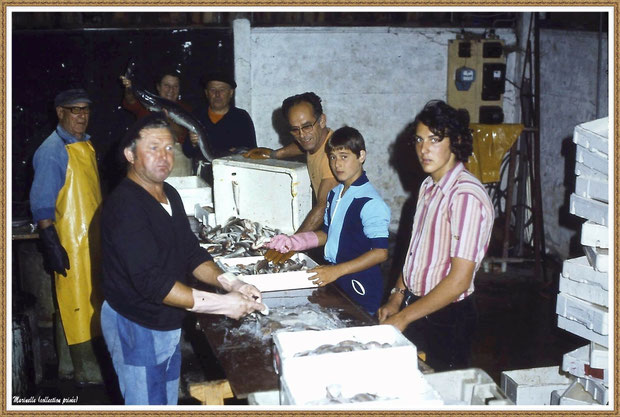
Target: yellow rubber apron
[77, 223]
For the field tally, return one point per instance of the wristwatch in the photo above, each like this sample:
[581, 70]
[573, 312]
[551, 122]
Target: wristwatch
[397, 290]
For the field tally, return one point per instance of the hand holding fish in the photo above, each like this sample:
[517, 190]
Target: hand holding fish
[297, 242]
[231, 283]
[324, 274]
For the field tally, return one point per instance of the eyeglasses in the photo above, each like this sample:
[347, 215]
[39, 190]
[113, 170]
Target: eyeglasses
[307, 128]
[78, 110]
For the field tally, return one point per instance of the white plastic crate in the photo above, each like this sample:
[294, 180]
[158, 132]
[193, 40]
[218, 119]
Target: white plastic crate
[193, 190]
[470, 386]
[273, 282]
[596, 389]
[593, 135]
[579, 269]
[288, 344]
[403, 387]
[599, 356]
[581, 330]
[594, 188]
[584, 291]
[577, 363]
[598, 258]
[589, 209]
[533, 386]
[595, 235]
[592, 316]
[583, 170]
[594, 159]
[574, 395]
[272, 192]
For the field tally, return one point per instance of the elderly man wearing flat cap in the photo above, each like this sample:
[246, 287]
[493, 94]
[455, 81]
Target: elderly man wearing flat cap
[230, 129]
[64, 198]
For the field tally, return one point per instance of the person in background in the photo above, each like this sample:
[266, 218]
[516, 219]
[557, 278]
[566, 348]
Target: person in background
[149, 252]
[308, 126]
[64, 198]
[355, 226]
[229, 128]
[432, 301]
[168, 86]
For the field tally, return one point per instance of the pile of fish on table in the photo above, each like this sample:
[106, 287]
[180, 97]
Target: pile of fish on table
[236, 238]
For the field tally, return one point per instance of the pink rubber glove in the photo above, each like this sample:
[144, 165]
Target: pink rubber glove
[297, 242]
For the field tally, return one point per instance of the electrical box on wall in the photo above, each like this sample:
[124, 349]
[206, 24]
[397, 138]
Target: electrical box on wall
[477, 77]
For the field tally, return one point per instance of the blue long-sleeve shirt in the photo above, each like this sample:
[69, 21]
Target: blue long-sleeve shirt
[50, 169]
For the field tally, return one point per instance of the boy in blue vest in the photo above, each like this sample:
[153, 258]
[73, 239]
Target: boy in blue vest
[355, 226]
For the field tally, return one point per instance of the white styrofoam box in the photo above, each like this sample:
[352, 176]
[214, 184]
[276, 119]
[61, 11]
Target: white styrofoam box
[595, 235]
[272, 192]
[589, 209]
[579, 329]
[599, 356]
[193, 190]
[592, 188]
[583, 170]
[577, 363]
[593, 135]
[592, 293]
[598, 258]
[596, 389]
[533, 386]
[575, 394]
[470, 386]
[401, 387]
[592, 316]
[288, 344]
[579, 269]
[272, 282]
[594, 159]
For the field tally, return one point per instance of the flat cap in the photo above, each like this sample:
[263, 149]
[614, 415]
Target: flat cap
[72, 96]
[220, 76]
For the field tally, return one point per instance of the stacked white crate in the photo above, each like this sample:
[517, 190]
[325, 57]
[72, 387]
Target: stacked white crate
[583, 301]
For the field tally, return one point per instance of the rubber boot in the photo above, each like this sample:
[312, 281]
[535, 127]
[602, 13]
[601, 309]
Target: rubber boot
[65, 364]
[87, 371]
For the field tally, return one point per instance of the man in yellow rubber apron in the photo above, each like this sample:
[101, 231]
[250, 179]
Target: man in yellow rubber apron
[64, 199]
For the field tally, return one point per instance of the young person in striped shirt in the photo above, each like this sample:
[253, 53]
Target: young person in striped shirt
[431, 302]
[355, 226]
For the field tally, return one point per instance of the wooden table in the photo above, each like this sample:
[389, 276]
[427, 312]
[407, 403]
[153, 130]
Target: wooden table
[248, 361]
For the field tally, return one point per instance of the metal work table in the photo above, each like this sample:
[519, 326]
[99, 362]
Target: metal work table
[248, 361]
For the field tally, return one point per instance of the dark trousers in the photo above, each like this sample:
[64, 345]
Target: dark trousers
[445, 335]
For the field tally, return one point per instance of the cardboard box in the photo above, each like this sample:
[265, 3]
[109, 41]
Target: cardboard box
[272, 282]
[533, 386]
[272, 192]
[470, 386]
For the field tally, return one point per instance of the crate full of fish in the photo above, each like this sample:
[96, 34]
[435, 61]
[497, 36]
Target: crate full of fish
[374, 384]
[267, 276]
[341, 349]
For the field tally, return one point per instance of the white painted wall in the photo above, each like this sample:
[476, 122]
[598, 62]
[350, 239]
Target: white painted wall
[568, 84]
[372, 78]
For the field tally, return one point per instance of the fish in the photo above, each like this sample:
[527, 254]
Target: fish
[235, 238]
[178, 114]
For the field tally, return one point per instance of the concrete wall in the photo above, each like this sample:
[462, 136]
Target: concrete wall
[372, 78]
[568, 84]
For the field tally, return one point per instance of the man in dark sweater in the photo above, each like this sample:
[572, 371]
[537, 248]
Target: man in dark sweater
[229, 129]
[149, 251]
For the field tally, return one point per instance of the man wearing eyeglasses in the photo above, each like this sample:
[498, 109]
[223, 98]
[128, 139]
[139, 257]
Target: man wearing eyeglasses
[64, 197]
[308, 126]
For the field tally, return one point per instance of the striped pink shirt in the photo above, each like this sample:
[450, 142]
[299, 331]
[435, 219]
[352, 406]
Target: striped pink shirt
[453, 218]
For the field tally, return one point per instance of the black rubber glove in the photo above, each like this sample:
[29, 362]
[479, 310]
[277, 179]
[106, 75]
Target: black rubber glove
[55, 254]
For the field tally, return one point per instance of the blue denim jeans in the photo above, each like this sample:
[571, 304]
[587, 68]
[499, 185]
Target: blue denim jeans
[147, 362]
